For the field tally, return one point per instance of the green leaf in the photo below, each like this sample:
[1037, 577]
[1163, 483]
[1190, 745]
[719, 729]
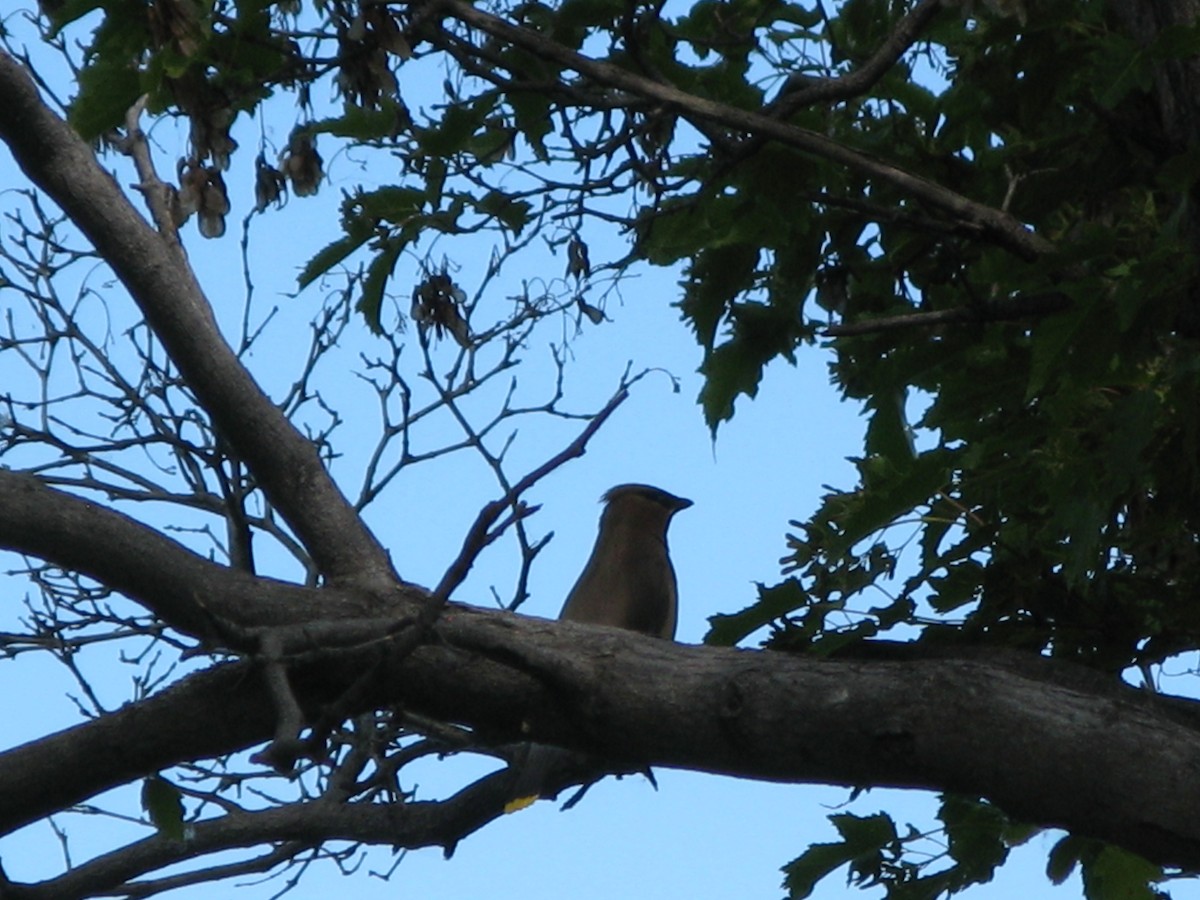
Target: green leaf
[107, 89]
[514, 214]
[451, 135]
[797, 14]
[589, 13]
[111, 82]
[531, 115]
[163, 803]
[435, 182]
[1109, 872]
[829, 643]
[393, 204]
[759, 332]
[863, 841]
[1050, 342]
[959, 586]
[976, 833]
[1116, 874]
[729, 371]
[888, 433]
[69, 11]
[774, 602]
[717, 276]
[1017, 834]
[370, 304]
[332, 254]
[1064, 856]
[866, 837]
[360, 123]
[802, 874]
[890, 491]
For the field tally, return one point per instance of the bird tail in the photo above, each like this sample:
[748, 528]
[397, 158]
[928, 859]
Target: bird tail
[534, 765]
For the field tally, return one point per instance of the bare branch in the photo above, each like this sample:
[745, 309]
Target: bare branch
[159, 196]
[411, 825]
[166, 291]
[479, 535]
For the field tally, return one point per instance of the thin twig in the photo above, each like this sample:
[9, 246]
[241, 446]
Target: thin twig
[1014, 308]
[479, 535]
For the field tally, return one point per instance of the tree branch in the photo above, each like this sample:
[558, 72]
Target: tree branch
[205, 715]
[195, 595]
[150, 266]
[1002, 228]
[862, 79]
[1103, 760]
[998, 311]
[410, 825]
[479, 535]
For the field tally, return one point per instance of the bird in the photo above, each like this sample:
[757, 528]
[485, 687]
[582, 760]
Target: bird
[628, 582]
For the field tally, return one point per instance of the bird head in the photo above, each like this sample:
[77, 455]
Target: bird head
[642, 502]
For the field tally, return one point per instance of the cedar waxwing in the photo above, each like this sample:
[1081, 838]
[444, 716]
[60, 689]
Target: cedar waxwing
[628, 582]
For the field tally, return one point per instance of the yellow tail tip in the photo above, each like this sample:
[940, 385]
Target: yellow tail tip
[520, 803]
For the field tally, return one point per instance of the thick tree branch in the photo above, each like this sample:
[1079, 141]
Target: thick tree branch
[210, 713]
[192, 594]
[165, 289]
[1050, 743]
[1002, 228]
